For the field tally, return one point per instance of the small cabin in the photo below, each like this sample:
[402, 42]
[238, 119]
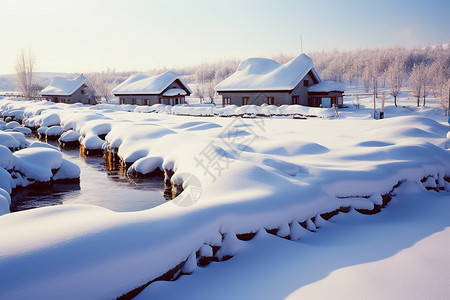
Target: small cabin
[326, 94]
[167, 88]
[63, 90]
[261, 80]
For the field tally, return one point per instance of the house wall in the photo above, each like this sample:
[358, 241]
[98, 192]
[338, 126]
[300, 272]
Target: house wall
[315, 98]
[257, 98]
[139, 99]
[148, 99]
[301, 90]
[280, 97]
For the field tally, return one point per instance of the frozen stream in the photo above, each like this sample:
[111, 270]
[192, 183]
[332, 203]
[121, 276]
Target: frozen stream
[109, 189]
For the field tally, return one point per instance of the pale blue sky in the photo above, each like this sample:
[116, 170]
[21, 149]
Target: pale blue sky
[92, 35]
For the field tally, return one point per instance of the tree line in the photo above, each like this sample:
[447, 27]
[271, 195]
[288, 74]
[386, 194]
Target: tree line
[424, 71]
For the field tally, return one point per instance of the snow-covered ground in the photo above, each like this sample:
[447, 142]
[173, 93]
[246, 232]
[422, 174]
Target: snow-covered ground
[400, 253]
[241, 176]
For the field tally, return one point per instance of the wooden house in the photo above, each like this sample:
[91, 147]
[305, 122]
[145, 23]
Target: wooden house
[261, 80]
[63, 90]
[167, 88]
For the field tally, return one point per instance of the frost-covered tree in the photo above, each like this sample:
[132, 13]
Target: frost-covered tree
[426, 82]
[208, 75]
[444, 98]
[24, 67]
[395, 77]
[366, 79]
[440, 80]
[201, 80]
[416, 81]
[101, 84]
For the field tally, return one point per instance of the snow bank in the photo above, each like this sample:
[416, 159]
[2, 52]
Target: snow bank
[5, 202]
[35, 163]
[192, 111]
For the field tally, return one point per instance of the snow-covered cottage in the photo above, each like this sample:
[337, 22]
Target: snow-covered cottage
[262, 80]
[68, 90]
[166, 88]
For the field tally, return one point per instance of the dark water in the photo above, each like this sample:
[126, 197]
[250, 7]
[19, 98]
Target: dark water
[98, 186]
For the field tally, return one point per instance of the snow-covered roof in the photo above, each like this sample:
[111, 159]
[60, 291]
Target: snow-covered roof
[63, 87]
[327, 86]
[145, 84]
[265, 74]
[175, 92]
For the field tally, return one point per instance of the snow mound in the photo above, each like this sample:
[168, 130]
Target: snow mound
[37, 163]
[69, 136]
[8, 140]
[54, 131]
[6, 158]
[146, 165]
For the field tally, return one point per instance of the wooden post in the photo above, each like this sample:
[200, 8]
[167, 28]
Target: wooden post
[374, 101]
[335, 110]
[382, 107]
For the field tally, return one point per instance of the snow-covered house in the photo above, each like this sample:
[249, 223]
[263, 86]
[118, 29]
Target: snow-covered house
[166, 88]
[262, 80]
[68, 90]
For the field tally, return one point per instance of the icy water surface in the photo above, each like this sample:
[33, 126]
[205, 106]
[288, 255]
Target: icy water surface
[109, 189]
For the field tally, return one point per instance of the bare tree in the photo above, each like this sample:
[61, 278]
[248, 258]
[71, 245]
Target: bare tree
[395, 77]
[24, 72]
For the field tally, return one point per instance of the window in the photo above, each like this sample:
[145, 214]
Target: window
[294, 99]
[271, 100]
[82, 91]
[306, 83]
[314, 101]
[244, 100]
[226, 101]
[133, 101]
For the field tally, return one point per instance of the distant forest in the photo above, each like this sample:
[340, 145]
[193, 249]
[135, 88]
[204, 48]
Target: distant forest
[424, 71]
